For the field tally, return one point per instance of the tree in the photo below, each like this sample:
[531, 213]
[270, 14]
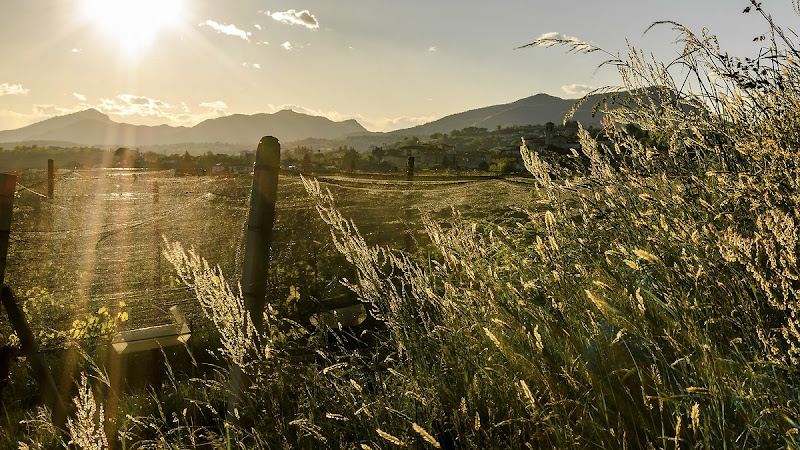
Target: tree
[349, 158]
[378, 153]
[504, 165]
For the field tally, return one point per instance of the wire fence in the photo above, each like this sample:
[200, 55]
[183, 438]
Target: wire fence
[97, 243]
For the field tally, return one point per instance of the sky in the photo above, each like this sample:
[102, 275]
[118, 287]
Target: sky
[389, 64]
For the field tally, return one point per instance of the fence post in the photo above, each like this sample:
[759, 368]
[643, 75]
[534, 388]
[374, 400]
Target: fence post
[51, 177]
[40, 371]
[8, 186]
[259, 229]
[256, 251]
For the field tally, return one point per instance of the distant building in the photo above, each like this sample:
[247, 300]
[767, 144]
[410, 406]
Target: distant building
[396, 158]
[470, 160]
[241, 169]
[557, 142]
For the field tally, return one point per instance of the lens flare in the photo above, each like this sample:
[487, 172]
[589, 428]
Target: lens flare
[134, 24]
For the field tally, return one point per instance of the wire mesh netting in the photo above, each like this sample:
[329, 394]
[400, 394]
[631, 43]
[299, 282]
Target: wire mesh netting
[96, 245]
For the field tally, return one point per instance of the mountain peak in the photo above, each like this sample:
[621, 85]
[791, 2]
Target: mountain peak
[91, 113]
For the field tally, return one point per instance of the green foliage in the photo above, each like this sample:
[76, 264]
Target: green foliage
[504, 165]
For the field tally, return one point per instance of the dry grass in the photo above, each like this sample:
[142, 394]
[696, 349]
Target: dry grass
[651, 302]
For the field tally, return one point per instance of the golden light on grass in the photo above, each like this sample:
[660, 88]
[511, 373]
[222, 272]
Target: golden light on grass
[426, 436]
[390, 438]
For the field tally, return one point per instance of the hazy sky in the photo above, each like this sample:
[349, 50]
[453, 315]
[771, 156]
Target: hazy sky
[387, 63]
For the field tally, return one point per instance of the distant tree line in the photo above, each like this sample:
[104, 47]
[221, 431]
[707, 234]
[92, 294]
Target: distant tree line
[35, 157]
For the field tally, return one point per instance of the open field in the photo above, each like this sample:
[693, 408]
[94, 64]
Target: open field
[98, 242]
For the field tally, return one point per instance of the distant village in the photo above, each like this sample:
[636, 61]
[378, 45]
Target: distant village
[469, 149]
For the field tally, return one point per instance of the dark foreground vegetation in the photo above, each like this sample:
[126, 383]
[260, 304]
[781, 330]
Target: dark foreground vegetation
[651, 301]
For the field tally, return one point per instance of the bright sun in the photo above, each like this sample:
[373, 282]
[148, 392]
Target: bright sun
[133, 23]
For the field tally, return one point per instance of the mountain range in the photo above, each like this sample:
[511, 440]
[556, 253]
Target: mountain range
[91, 127]
[534, 110]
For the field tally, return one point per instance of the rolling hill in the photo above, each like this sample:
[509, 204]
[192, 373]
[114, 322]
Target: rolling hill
[91, 127]
[537, 109]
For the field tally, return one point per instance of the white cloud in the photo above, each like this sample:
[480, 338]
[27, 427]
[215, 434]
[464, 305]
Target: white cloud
[218, 108]
[395, 123]
[77, 50]
[13, 89]
[80, 97]
[52, 110]
[140, 110]
[287, 46]
[258, 27]
[257, 65]
[219, 104]
[229, 29]
[251, 66]
[577, 89]
[293, 17]
[128, 105]
[432, 48]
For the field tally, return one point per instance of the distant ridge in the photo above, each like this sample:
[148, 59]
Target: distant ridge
[536, 109]
[91, 127]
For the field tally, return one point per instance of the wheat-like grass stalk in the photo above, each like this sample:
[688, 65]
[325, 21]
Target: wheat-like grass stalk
[86, 428]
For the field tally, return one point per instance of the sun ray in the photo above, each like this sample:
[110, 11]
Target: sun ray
[134, 24]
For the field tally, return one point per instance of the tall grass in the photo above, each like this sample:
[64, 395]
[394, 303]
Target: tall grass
[649, 302]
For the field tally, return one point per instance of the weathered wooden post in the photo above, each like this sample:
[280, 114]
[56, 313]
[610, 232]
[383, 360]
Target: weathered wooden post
[259, 229]
[256, 252]
[8, 187]
[51, 178]
[155, 192]
[40, 372]
[410, 168]
[8, 184]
